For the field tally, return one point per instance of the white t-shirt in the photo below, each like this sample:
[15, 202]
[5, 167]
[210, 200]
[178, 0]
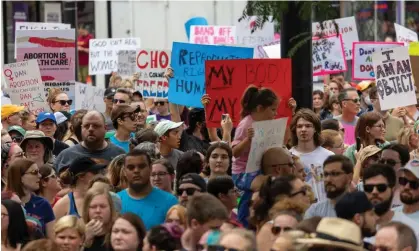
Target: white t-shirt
[313, 167]
[414, 216]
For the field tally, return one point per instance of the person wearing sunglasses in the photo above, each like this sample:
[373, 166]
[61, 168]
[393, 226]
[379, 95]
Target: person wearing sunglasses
[395, 236]
[161, 109]
[223, 188]
[58, 100]
[49, 185]
[409, 190]
[379, 186]
[189, 185]
[285, 215]
[351, 103]
[9, 152]
[24, 179]
[17, 133]
[47, 123]
[122, 96]
[124, 119]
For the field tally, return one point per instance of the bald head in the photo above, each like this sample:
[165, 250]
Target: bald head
[93, 129]
[95, 114]
[277, 161]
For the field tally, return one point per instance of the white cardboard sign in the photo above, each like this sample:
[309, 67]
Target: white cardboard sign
[405, 35]
[328, 55]
[89, 97]
[212, 34]
[126, 62]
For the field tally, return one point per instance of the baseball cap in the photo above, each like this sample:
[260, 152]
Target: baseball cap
[17, 129]
[195, 179]
[45, 116]
[7, 110]
[351, 204]
[163, 126]
[122, 109]
[109, 92]
[85, 164]
[413, 167]
[60, 117]
[368, 151]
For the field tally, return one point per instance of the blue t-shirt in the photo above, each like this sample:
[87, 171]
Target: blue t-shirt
[40, 209]
[151, 209]
[123, 144]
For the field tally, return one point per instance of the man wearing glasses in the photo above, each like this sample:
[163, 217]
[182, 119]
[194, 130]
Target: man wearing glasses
[351, 103]
[409, 190]
[124, 119]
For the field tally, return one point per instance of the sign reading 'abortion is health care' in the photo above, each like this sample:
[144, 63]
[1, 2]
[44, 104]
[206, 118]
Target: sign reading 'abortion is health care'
[394, 78]
[188, 62]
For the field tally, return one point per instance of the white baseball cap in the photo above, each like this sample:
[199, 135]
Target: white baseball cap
[413, 167]
[163, 126]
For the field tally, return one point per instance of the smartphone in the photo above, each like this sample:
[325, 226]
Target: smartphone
[358, 143]
[223, 117]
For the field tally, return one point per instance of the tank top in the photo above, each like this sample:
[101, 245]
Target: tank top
[73, 207]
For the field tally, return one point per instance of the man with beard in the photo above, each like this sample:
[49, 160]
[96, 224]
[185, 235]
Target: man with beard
[93, 144]
[141, 198]
[338, 172]
[379, 186]
[357, 208]
[409, 186]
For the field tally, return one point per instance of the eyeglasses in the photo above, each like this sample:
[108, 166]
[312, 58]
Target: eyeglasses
[159, 174]
[303, 191]
[116, 101]
[189, 191]
[355, 100]
[64, 102]
[132, 116]
[17, 139]
[277, 229]
[380, 188]
[381, 248]
[412, 184]
[390, 162]
[332, 174]
[160, 103]
[33, 172]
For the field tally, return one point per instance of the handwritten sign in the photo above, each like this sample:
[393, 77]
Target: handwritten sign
[394, 78]
[39, 26]
[227, 80]
[268, 134]
[126, 62]
[259, 36]
[68, 87]
[89, 97]
[328, 55]
[212, 34]
[151, 65]
[24, 85]
[103, 53]
[194, 21]
[188, 63]
[347, 28]
[362, 66]
[405, 35]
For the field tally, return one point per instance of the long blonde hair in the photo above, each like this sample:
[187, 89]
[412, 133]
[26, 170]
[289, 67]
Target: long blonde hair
[90, 195]
[403, 136]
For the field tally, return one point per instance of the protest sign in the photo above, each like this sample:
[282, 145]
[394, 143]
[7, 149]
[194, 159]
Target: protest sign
[212, 34]
[103, 53]
[362, 66]
[194, 21]
[69, 87]
[328, 55]
[268, 134]
[89, 97]
[24, 85]
[262, 36]
[55, 51]
[126, 62]
[394, 79]
[188, 62]
[404, 34]
[347, 28]
[414, 49]
[151, 65]
[227, 80]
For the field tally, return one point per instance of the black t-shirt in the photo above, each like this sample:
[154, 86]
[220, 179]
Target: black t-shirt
[98, 245]
[59, 146]
[190, 142]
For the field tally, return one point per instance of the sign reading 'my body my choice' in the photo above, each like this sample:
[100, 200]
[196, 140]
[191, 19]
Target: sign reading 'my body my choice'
[394, 78]
[188, 62]
[103, 53]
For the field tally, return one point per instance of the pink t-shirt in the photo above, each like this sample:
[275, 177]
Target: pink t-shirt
[239, 163]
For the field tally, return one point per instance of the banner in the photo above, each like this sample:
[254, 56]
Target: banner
[194, 21]
[151, 65]
[126, 63]
[394, 79]
[103, 53]
[347, 28]
[24, 85]
[328, 55]
[227, 80]
[188, 63]
[68, 87]
[39, 26]
[362, 66]
[405, 35]
[268, 134]
[262, 36]
[89, 97]
[212, 34]
[55, 51]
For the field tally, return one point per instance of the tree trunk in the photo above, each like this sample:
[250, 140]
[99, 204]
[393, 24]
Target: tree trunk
[302, 73]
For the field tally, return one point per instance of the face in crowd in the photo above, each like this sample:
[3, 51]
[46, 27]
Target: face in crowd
[93, 129]
[172, 138]
[351, 103]
[138, 171]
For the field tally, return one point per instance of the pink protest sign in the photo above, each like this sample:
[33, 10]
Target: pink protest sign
[210, 34]
[362, 66]
[328, 55]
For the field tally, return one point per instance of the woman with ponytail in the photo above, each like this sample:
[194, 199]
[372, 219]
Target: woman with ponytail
[58, 100]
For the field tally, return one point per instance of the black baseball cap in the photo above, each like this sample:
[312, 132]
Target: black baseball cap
[351, 204]
[109, 92]
[195, 179]
[84, 165]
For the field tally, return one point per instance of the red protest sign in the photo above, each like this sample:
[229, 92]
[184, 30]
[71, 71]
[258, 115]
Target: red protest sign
[226, 81]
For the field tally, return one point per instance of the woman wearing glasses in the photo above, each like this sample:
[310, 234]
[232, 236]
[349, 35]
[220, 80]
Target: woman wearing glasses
[23, 179]
[9, 153]
[49, 185]
[58, 100]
